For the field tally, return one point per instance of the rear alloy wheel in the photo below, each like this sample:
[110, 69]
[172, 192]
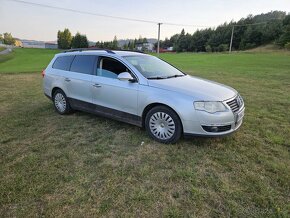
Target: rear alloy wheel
[61, 103]
[163, 124]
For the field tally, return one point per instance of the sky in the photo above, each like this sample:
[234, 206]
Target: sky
[32, 22]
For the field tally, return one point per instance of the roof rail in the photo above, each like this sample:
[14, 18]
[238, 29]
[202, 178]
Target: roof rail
[100, 49]
[89, 49]
[129, 50]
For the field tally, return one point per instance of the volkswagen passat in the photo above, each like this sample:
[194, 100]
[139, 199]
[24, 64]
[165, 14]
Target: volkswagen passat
[143, 90]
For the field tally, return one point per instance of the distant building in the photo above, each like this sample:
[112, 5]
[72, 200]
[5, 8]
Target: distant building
[146, 46]
[166, 50]
[38, 44]
[50, 45]
[32, 44]
[92, 44]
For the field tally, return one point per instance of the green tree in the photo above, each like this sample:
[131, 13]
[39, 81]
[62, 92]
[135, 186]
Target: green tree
[79, 41]
[285, 36]
[98, 44]
[287, 46]
[183, 41]
[208, 48]
[115, 43]
[1, 38]
[131, 45]
[64, 39]
[8, 39]
[140, 40]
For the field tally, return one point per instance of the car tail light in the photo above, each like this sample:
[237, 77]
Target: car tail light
[43, 73]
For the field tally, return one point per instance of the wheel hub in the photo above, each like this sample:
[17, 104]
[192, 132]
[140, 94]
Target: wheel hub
[162, 125]
[60, 102]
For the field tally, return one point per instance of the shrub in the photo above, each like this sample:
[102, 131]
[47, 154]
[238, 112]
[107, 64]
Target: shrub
[287, 45]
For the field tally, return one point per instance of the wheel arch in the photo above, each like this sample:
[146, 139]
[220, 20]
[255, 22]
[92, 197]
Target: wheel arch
[152, 105]
[54, 90]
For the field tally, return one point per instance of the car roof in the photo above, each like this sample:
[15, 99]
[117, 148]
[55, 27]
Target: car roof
[99, 52]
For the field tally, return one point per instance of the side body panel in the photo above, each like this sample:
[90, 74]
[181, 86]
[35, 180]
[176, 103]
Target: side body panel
[79, 86]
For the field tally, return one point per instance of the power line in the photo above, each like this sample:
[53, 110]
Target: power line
[189, 25]
[101, 15]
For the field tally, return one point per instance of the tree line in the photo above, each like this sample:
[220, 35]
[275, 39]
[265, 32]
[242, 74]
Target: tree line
[65, 40]
[129, 44]
[248, 33]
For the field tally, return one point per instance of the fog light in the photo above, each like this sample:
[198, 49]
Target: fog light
[217, 128]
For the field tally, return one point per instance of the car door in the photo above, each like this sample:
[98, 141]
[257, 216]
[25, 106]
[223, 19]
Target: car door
[79, 82]
[110, 92]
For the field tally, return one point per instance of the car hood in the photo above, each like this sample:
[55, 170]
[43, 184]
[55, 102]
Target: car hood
[198, 88]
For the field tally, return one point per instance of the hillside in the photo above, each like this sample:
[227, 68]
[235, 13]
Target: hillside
[26, 60]
[249, 32]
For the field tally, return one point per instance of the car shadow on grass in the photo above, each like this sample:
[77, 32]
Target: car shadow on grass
[138, 135]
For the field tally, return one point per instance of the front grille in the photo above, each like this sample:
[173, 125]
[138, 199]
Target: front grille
[236, 103]
[217, 128]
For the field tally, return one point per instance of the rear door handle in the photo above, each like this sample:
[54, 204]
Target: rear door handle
[97, 85]
[67, 79]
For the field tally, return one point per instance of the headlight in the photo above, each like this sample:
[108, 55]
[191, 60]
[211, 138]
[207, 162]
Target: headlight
[209, 106]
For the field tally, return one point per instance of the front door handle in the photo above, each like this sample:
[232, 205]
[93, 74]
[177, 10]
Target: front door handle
[67, 79]
[97, 85]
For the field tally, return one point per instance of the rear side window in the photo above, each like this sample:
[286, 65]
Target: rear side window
[83, 64]
[63, 62]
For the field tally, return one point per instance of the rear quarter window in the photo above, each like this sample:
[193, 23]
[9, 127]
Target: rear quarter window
[63, 62]
[83, 64]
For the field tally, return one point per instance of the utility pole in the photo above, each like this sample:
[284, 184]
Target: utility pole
[158, 42]
[232, 39]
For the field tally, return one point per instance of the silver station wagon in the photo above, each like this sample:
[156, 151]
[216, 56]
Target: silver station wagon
[143, 90]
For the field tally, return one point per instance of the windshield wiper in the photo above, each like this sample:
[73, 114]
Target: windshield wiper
[157, 77]
[175, 76]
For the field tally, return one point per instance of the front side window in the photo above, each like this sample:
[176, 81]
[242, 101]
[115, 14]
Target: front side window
[153, 68]
[63, 62]
[83, 64]
[110, 68]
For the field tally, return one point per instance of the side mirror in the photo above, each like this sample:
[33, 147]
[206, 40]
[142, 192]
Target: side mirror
[125, 76]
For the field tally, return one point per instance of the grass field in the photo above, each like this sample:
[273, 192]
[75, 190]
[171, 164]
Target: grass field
[82, 165]
[26, 60]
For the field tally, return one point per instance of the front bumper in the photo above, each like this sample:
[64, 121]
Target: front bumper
[217, 124]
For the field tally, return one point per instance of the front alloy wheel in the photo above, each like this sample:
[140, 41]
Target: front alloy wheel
[163, 124]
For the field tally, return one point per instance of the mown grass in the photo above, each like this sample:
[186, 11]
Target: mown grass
[82, 165]
[26, 60]
[2, 48]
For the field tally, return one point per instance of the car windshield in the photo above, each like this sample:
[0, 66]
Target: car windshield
[153, 68]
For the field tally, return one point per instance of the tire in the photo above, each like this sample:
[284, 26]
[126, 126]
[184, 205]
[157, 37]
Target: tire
[163, 125]
[60, 102]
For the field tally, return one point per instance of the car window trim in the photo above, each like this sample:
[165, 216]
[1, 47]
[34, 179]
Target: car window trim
[71, 63]
[122, 62]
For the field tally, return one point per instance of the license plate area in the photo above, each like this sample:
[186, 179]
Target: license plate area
[240, 115]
